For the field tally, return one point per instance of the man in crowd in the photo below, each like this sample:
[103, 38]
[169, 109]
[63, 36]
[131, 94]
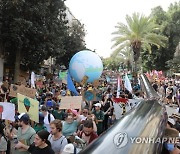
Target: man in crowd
[99, 114]
[57, 140]
[48, 117]
[88, 134]
[25, 133]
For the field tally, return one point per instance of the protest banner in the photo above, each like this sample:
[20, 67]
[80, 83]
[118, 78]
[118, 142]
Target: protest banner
[29, 106]
[91, 95]
[120, 108]
[71, 102]
[14, 89]
[7, 111]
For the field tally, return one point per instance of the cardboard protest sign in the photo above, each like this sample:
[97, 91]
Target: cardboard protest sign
[7, 111]
[84, 80]
[91, 95]
[71, 102]
[29, 106]
[96, 83]
[14, 89]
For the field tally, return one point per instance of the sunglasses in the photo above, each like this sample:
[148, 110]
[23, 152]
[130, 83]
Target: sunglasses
[85, 112]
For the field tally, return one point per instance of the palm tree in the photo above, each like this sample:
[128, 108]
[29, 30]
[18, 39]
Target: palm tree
[139, 34]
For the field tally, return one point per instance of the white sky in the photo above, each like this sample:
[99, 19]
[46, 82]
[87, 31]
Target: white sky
[101, 16]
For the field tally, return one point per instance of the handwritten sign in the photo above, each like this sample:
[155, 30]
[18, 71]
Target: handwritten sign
[71, 102]
[14, 89]
[7, 111]
[28, 105]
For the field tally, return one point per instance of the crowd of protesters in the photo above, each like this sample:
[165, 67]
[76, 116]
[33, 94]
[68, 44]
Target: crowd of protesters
[64, 131]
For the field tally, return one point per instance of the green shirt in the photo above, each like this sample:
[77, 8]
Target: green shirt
[26, 138]
[58, 114]
[38, 127]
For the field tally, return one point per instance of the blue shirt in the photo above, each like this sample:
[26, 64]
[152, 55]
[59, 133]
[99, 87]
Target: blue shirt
[69, 128]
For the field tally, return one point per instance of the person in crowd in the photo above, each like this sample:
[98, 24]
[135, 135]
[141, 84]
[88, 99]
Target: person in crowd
[25, 133]
[58, 113]
[3, 140]
[99, 114]
[107, 107]
[84, 114]
[155, 86]
[69, 125]
[88, 134]
[48, 117]
[168, 146]
[69, 149]
[41, 144]
[169, 94]
[57, 140]
[40, 126]
[161, 91]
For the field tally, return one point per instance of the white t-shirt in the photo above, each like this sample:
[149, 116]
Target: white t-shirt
[82, 117]
[46, 121]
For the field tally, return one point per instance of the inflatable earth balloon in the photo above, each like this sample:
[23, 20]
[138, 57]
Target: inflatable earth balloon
[85, 63]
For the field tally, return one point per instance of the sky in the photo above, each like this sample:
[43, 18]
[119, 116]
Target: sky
[101, 16]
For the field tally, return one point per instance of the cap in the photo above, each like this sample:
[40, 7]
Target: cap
[23, 117]
[97, 105]
[68, 149]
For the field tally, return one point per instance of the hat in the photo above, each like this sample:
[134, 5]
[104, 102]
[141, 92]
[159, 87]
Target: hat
[68, 149]
[97, 105]
[23, 117]
[74, 112]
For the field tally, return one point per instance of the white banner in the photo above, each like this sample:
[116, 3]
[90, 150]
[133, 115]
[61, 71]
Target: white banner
[7, 111]
[121, 108]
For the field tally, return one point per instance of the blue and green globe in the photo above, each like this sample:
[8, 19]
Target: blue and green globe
[85, 63]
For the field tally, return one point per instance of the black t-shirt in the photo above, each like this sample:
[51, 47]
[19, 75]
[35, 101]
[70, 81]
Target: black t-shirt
[35, 150]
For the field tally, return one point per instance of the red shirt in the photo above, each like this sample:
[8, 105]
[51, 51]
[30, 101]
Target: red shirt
[93, 136]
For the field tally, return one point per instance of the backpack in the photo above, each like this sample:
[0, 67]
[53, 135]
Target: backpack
[49, 117]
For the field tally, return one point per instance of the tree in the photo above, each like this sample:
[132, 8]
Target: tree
[140, 33]
[170, 23]
[73, 43]
[32, 30]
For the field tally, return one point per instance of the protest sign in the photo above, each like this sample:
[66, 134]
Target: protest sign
[29, 106]
[120, 108]
[14, 89]
[91, 95]
[96, 83]
[7, 111]
[84, 80]
[71, 102]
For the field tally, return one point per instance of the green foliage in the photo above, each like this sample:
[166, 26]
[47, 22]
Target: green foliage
[113, 63]
[170, 23]
[73, 43]
[174, 64]
[139, 33]
[36, 28]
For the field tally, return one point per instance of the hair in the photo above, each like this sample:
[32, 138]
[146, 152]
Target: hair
[58, 124]
[44, 108]
[43, 135]
[88, 124]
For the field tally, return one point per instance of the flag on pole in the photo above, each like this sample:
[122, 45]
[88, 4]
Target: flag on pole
[32, 80]
[127, 84]
[70, 85]
[118, 86]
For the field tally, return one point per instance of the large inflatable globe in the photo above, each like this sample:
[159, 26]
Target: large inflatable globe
[85, 63]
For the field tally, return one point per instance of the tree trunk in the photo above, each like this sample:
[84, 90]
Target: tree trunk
[17, 66]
